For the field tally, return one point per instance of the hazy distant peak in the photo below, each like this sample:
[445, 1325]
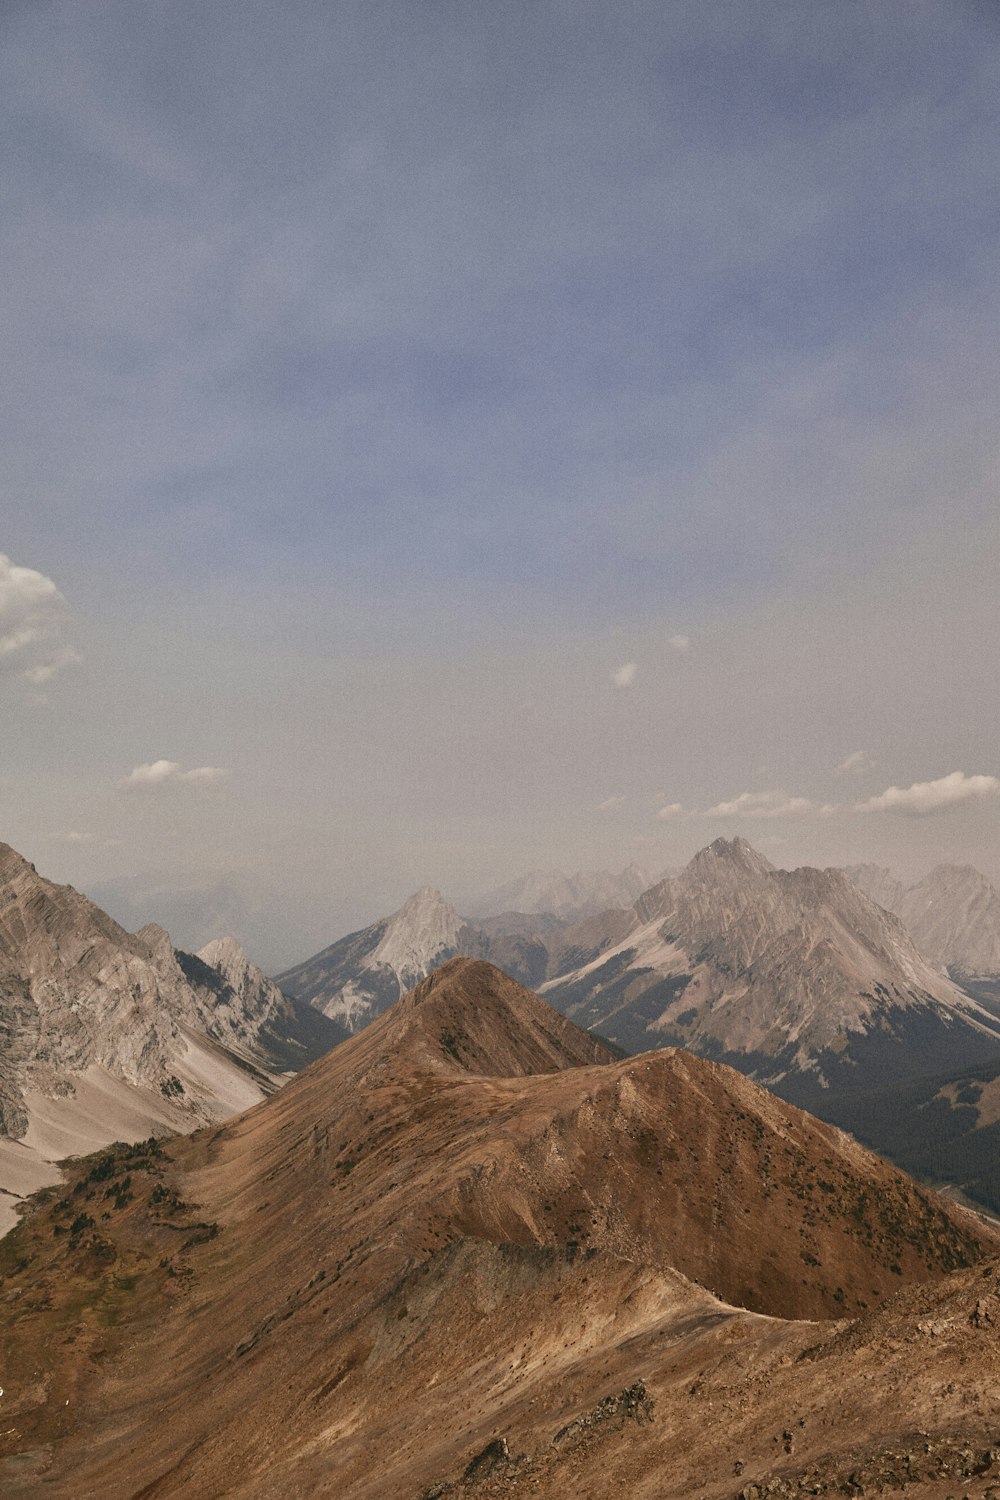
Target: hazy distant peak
[584, 893]
[957, 876]
[427, 898]
[953, 914]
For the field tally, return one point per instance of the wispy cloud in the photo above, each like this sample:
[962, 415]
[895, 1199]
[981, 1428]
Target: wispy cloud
[611, 804]
[680, 643]
[162, 772]
[856, 764]
[34, 620]
[670, 810]
[925, 797]
[762, 805]
[626, 674]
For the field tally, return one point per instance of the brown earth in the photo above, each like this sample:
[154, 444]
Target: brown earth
[469, 1225]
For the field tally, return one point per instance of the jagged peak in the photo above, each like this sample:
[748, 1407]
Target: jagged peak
[736, 852]
[426, 898]
[11, 862]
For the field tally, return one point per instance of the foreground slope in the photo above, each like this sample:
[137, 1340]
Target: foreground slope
[465, 1222]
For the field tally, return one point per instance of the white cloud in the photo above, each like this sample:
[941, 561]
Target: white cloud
[204, 775]
[762, 805]
[34, 618]
[669, 810]
[626, 674]
[680, 643]
[932, 796]
[157, 772]
[611, 804]
[855, 764]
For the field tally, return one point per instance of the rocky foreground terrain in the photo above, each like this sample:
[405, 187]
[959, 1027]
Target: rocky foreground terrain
[467, 1253]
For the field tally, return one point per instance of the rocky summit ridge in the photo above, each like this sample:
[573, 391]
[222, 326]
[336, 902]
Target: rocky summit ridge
[467, 1249]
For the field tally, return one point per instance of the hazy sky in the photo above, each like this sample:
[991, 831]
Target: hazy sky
[444, 439]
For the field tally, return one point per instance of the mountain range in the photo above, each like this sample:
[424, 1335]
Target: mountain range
[467, 1252]
[796, 973]
[569, 897]
[797, 978]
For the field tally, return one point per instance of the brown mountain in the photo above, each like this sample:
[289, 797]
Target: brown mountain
[456, 1235]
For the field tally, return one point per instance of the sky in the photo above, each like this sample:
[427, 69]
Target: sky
[443, 441]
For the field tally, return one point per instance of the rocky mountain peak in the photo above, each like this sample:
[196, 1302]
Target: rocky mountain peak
[736, 853]
[226, 955]
[423, 927]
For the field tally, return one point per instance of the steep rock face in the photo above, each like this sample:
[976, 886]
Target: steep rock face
[77, 990]
[108, 1034]
[464, 1222]
[954, 915]
[364, 973]
[240, 1007]
[786, 971]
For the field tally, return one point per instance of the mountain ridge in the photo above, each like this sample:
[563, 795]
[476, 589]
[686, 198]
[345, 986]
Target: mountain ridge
[405, 1252]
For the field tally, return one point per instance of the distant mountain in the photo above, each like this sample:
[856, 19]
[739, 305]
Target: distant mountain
[113, 1035]
[467, 1253]
[196, 912]
[249, 1012]
[953, 915]
[800, 980]
[361, 975]
[795, 976]
[566, 896]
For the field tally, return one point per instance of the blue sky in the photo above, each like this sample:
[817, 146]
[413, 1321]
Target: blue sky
[382, 378]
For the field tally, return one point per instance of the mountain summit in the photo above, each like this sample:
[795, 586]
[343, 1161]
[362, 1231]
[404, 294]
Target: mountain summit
[364, 973]
[783, 972]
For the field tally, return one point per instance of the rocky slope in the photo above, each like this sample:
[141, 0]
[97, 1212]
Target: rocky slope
[108, 1034]
[795, 976]
[464, 1251]
[241, 1007]
[953, 915]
